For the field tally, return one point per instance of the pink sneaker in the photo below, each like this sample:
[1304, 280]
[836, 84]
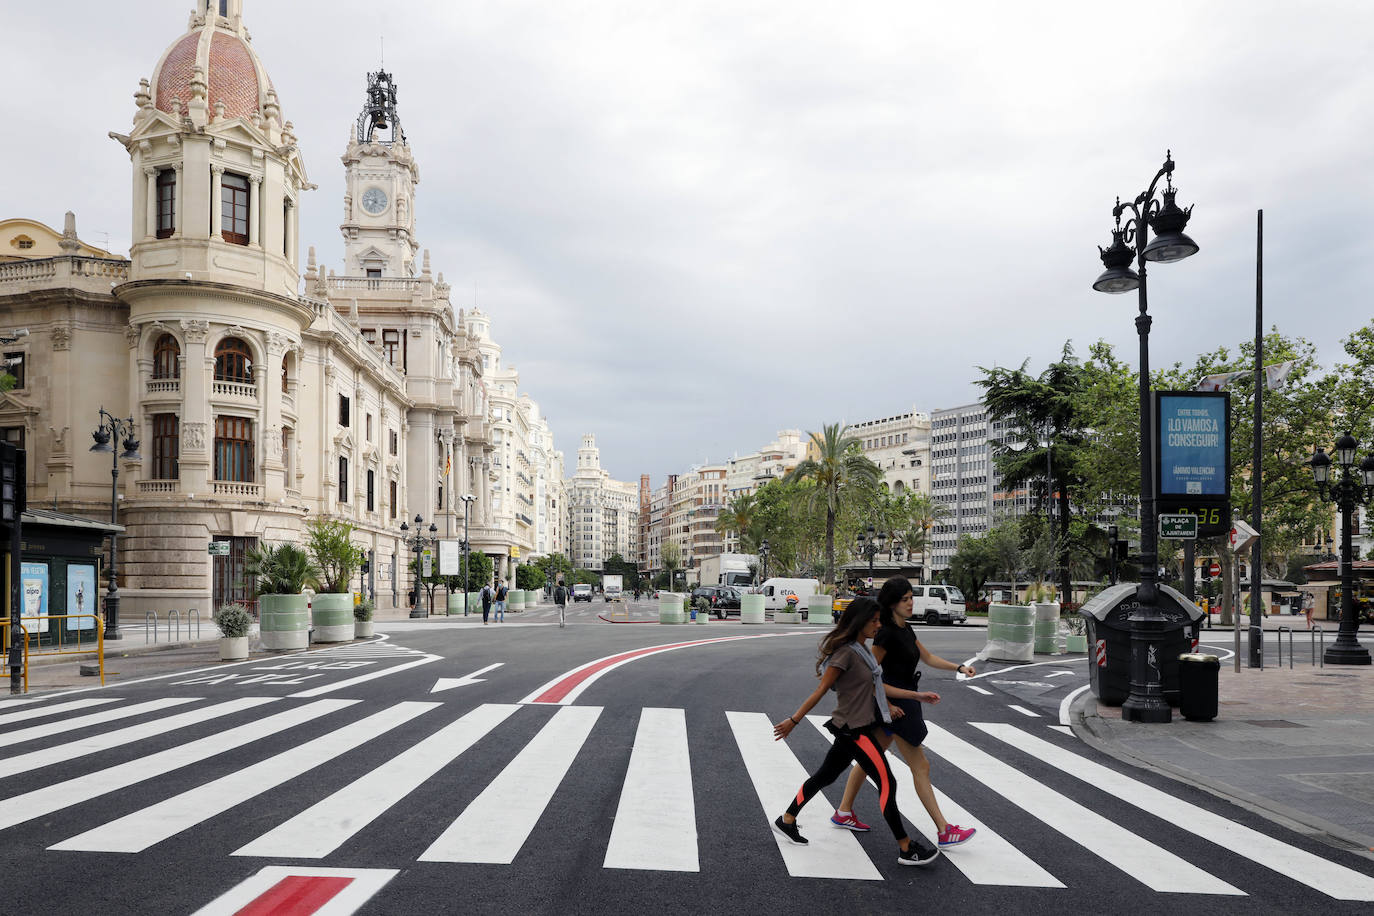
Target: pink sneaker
[849, 822]
[954, 835]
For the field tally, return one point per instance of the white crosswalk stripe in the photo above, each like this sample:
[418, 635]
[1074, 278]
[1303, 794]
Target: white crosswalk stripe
[656, 824]
[43, 711]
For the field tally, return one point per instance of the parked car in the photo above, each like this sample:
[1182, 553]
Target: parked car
[721, 598]
[582, 592]
[934, 604]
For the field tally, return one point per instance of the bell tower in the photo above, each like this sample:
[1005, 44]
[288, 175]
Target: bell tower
[379, 195]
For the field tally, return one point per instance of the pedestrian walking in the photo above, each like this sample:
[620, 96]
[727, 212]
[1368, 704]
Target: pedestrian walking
[487, 594]
[1309, 603]
[846, 666]
[560, 600]
[501, 601]
[898, 651]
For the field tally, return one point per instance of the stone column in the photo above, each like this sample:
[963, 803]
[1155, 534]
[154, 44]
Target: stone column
[150, 211]
[275, 463]
[216, 201]
[290, 229]
[197, 423]
[254, 217]
[179, 217]
[263, 430]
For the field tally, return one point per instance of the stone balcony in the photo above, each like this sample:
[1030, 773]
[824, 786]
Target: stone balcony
[92, 275]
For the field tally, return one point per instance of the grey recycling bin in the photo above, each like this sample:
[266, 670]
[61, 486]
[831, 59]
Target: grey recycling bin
[1197, 686]
[1108, 617]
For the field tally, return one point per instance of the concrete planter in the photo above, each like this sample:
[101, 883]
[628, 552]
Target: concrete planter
[818, 610]
[453, 606]
[362, 629]
[670, 608]
[787, 616]
[284, 622]
[1011, 633]
[515, 599]
[233, 648]
[331, 613]
[1076, 643]
[751, 609]
[703, 616]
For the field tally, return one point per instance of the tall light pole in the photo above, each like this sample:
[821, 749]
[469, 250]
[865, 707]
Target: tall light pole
[763, 560]
[1146, 701]
[110, 431]
[417, 545]
[1347, 493]
[467, 499]
[869, 547]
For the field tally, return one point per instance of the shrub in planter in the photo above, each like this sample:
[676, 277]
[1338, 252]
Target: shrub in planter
[362, 618]
[336, 559]
[234, 624]
[282, 571]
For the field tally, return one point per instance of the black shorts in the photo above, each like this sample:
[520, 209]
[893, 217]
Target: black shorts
[910, 727]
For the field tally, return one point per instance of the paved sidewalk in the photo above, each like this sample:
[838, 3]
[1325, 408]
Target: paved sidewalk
[1294, 745]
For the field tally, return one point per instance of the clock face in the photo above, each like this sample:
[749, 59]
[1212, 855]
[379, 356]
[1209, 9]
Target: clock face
[374, 200]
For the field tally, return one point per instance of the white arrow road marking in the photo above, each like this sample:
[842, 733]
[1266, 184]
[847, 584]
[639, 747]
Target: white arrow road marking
[1060, 674]
[448, 683]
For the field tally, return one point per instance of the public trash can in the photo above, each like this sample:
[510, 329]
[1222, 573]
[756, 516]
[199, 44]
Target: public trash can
[1108, 617]
[1197, 686]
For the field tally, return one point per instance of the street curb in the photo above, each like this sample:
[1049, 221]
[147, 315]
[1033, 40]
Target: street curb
[1090, 728]
[44, 660]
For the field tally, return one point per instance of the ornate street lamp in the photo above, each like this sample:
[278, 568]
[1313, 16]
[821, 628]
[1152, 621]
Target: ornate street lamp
[1146, 701]
[1348, 492]
[111, 430]
[467, 499]
[763, 561]
[417, 545]
[870, 546]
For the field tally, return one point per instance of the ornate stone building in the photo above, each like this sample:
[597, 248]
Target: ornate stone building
[258, 403]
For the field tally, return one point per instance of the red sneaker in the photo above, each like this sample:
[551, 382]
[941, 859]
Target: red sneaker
[954, 835]
[849, 822]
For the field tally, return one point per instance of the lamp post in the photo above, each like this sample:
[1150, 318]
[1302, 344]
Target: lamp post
[1112, 540]
[1146, 700]
[110, 431]
[467, 499]
[1347, 493]
[869, 547]
[417, 545]
[763, 561]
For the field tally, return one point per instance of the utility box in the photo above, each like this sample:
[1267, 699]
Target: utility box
[1108, 616]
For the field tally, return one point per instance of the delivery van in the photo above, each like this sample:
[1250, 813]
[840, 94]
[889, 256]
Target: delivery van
[775, 592]
[932, 604]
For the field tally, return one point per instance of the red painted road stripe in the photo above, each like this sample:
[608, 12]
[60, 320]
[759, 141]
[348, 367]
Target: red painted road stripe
[295, 895]
[557, 690]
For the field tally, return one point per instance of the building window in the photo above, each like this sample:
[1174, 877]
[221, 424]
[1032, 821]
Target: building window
[14, 435]
[234, 449]
[393, 441]
[391, 503]
[343, 410]
[166, 203]
[371, 482]
[391, 344]
[374, 273]
[369, 427]
[14, 366]
[343, 479]
[233, 220]
[167, 357]
[23, 243]
[439, 503]
[166, 446]
[370, 335]
[233, 361]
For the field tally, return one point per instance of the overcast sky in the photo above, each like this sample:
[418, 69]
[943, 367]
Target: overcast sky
[697, 223]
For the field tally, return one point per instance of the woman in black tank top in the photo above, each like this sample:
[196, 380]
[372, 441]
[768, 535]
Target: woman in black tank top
[899, 653]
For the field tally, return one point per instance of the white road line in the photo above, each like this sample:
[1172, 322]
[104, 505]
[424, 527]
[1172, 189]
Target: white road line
[777, 774]
[95, 718]
[23, 763]
[986, 693]
[324, 827]
[1156, 868]
[499, 821]
[55, 797]
[988, 858]
[1011, 668]
[149, 826]
[362, 678]
[1023, 710]
[1064, 706]
[655, 825]
[1317, 873]
[7, 718]
[1063, 730]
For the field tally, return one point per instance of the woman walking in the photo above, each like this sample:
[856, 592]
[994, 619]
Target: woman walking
[898, 651]
[846, 666]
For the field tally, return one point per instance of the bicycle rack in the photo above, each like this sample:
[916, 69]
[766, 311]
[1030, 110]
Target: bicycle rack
[170, 616]
[191, 615]
[149, 621]
[1279, 641]
[1318, 637]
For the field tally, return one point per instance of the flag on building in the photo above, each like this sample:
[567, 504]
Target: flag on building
[448, 465]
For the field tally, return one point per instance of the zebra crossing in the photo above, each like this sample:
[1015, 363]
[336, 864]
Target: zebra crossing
[96, 747]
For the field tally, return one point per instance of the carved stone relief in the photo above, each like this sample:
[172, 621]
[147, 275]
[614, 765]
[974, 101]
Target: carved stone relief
[61, 337]
[193, 436]
[196, 330]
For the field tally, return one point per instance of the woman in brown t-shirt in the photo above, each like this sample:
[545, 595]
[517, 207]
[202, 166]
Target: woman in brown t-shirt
[846, 666]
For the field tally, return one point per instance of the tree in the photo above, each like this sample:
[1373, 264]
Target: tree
[554, 565]
[923, 513]
[671, 554]
[480, 572]
[839, 467]
[739, 518]
[972, 565]
[616, 565]
[1004, 550]
[333, 553]
[529, 576]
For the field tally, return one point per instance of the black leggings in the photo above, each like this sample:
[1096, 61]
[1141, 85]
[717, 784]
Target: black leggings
[859, 746]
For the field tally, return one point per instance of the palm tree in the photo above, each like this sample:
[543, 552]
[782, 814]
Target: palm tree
[738, 518]
[924, 513]
[838, 466]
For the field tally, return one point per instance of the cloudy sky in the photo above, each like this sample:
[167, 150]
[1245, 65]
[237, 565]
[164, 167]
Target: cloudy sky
[697, 223]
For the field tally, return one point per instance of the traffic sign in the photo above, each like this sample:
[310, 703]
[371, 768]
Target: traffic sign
[218, 548]
[1214, 569]
[1182, 526]
[1242, 535]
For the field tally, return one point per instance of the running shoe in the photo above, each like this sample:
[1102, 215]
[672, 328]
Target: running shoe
[954, 835]
[790, 831]
[849, 822]
[917, 854]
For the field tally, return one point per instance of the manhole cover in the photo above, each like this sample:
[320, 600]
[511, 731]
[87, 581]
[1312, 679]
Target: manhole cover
[1274, 723]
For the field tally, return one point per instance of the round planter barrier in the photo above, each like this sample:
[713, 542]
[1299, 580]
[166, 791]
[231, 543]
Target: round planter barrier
[233, 648]
[670, 608]
[284, 622]
[362, 629]
[331, 613]
[787, 617]
[818, 610]
[1011, 632]
[751, 609]
[1076, 643]
[703, 615]
[474, 600]
[454, 604]
[515, 599]
[1046, 627]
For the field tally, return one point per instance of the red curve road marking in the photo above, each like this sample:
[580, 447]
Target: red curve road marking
[295, 895]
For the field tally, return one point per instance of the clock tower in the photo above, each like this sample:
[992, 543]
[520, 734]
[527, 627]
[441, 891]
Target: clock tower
[379, 195]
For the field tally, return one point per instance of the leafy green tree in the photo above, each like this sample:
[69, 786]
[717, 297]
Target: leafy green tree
[671, 555]
[553, 566]
[616, 565]
[529, 576]
[972, 565]
[586, 577]
[1005, 551]
[739, 518]
[333, 553]
[839, 467]
[480, 572]
[283, 569]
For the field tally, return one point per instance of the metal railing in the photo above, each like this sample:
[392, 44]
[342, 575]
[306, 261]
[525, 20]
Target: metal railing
[97, 627]
[173, 615]
[1319, 658]
[1279, 642]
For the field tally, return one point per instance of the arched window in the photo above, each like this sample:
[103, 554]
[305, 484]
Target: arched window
[167, 357]
[233, 361]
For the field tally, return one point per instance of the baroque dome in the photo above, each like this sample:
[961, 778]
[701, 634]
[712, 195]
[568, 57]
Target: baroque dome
[233, 73]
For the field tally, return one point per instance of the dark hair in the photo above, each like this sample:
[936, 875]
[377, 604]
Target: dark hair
[855, 617]
[893, 591]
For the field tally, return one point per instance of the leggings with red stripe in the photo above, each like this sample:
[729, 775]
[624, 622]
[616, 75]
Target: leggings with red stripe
[856, 746]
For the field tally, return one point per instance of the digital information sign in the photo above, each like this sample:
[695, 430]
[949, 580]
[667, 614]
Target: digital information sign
[1193, 457]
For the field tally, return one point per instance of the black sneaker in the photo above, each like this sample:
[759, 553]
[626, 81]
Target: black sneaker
[917, 854]
[790, 831]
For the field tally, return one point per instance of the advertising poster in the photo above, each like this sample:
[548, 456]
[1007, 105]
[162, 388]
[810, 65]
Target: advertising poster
[81, 596]
[35, 579]
[450, 558]
[1192, 445]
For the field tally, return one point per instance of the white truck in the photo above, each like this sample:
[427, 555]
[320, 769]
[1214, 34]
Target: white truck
[932, 604]
[612, 587]
[728, 569]
[776, 591]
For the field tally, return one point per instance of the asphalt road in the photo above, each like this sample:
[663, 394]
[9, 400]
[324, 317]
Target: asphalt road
[641, 791]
